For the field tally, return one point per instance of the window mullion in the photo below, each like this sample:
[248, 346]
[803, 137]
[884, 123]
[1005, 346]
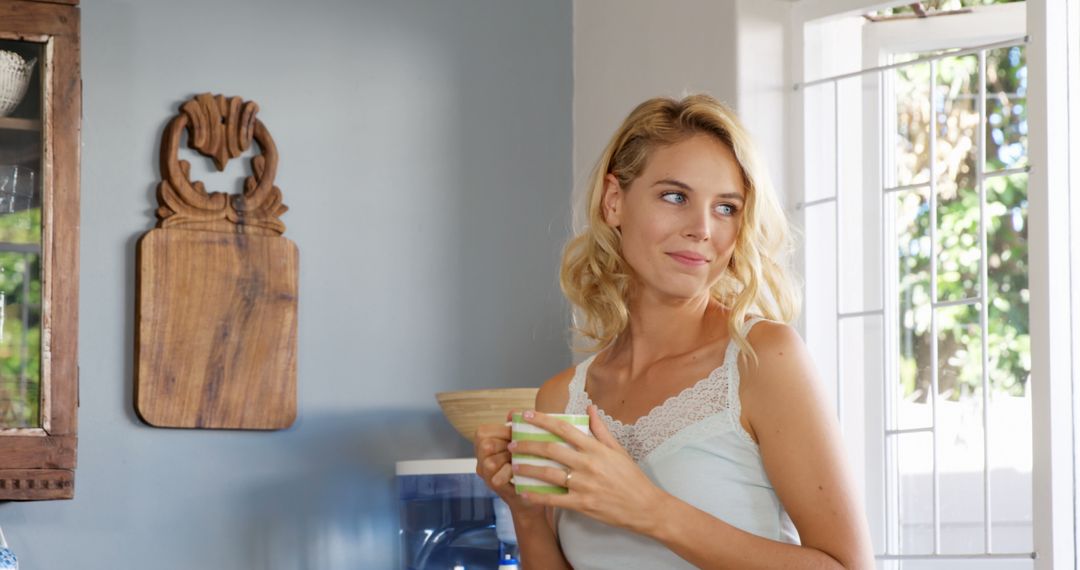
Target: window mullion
[933, 312]
[984, 322]
[891, 508]
[836, 245]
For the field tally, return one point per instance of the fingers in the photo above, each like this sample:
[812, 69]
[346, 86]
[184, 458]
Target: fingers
[548, 450]
[600, 429]
[567, 432]
[490, 446]
[502, 476]
[491, 431]
[552, 475]
[490, 439]
[492, 464]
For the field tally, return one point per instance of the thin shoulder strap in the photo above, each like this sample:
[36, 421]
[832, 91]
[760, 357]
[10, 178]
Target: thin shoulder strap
[577, 400]
[734, 380]
[733, 347]
[749, 324]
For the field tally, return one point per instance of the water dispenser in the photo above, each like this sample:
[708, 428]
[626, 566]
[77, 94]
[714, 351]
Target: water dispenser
[450, 520]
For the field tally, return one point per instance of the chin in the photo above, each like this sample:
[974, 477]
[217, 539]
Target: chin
[676, 286]
[681, 292]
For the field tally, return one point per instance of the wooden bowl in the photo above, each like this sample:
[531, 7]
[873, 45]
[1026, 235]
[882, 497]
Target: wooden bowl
[469, 409]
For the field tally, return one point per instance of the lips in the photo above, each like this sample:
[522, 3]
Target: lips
[688, 258]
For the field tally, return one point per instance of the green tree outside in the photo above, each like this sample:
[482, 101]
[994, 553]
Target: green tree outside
[20, 342]
[957, 254]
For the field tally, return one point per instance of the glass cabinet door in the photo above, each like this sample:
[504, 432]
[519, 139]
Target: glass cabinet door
[40, 126]
[21, 153]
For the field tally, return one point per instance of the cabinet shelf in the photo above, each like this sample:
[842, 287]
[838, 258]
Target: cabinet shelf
[17, 124]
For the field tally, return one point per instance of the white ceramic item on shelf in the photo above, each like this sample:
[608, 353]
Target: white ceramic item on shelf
[7, 557]
[14, 78]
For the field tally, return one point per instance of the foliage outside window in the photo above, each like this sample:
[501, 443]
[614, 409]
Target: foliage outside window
[958, 255]
[20, 321]
[938, 6]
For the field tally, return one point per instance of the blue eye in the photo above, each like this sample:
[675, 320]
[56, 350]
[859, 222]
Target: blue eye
[726, 210]
[673, 197]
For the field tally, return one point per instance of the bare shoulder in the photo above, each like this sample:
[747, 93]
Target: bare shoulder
[771, 339]
[784, 371]
[778, 348]
[555, 392]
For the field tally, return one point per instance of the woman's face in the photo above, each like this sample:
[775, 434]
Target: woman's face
[680, 217]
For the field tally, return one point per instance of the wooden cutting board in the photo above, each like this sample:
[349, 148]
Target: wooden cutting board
[217, 284]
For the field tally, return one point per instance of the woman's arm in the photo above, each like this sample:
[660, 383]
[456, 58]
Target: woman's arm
[538, 539]
[538, 544]
[803, 457]
[802, 451]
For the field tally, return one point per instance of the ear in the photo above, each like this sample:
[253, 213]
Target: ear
[611, 202]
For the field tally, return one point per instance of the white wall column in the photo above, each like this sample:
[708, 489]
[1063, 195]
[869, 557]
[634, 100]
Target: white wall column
[1049, 237]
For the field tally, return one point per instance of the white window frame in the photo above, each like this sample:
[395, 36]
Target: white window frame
[989, 25]
[1054, 248]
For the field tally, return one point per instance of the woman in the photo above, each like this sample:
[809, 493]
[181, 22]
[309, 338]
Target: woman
[715, 446]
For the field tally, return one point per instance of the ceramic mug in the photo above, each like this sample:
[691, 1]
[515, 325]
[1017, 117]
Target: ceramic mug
[521, 430]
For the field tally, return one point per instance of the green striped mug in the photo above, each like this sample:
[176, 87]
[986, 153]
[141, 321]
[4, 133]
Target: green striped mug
[524, 431]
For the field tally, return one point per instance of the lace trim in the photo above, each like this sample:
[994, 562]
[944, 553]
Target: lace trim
[712, 425]
[717, 393]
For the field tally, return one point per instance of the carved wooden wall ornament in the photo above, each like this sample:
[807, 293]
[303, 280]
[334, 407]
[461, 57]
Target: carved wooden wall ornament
[216, 334]
[221, 129]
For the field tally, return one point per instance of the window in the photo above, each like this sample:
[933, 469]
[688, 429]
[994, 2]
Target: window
[918, 275]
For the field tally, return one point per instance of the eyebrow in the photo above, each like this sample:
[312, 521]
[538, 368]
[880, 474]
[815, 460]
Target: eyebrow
[685, 186]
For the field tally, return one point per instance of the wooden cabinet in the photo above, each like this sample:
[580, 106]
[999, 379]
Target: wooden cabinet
[39, 253]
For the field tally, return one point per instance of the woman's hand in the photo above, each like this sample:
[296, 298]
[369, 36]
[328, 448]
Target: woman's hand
[604, 482]
[493, 465]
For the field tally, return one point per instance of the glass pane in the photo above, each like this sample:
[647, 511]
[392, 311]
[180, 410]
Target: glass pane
[1007, 286]
[20, 237]
[820, 142]
[960, 429]
[911, 220]
[864, 424]
[915, 462]
[957, 203]
[957, 248]
[858, 240]
[1009, 351]
[1011, 513]
[912, 91]
[974, 564]
[860, 367]
[1006, 109]
[935, 8]
[957, 123]
[820, 267]
[20, 337]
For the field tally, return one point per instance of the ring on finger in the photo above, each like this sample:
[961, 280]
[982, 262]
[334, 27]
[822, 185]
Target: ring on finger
[566, 482]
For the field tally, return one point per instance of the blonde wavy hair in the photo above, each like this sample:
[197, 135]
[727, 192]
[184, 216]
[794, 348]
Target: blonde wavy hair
[596, 278]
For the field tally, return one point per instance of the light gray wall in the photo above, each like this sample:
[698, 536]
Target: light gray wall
[627, 51]
[426, 158]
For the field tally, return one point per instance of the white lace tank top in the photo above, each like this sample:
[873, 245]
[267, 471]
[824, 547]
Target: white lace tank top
[694, 447]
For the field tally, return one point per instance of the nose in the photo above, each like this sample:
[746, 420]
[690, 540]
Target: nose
[697, 225]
